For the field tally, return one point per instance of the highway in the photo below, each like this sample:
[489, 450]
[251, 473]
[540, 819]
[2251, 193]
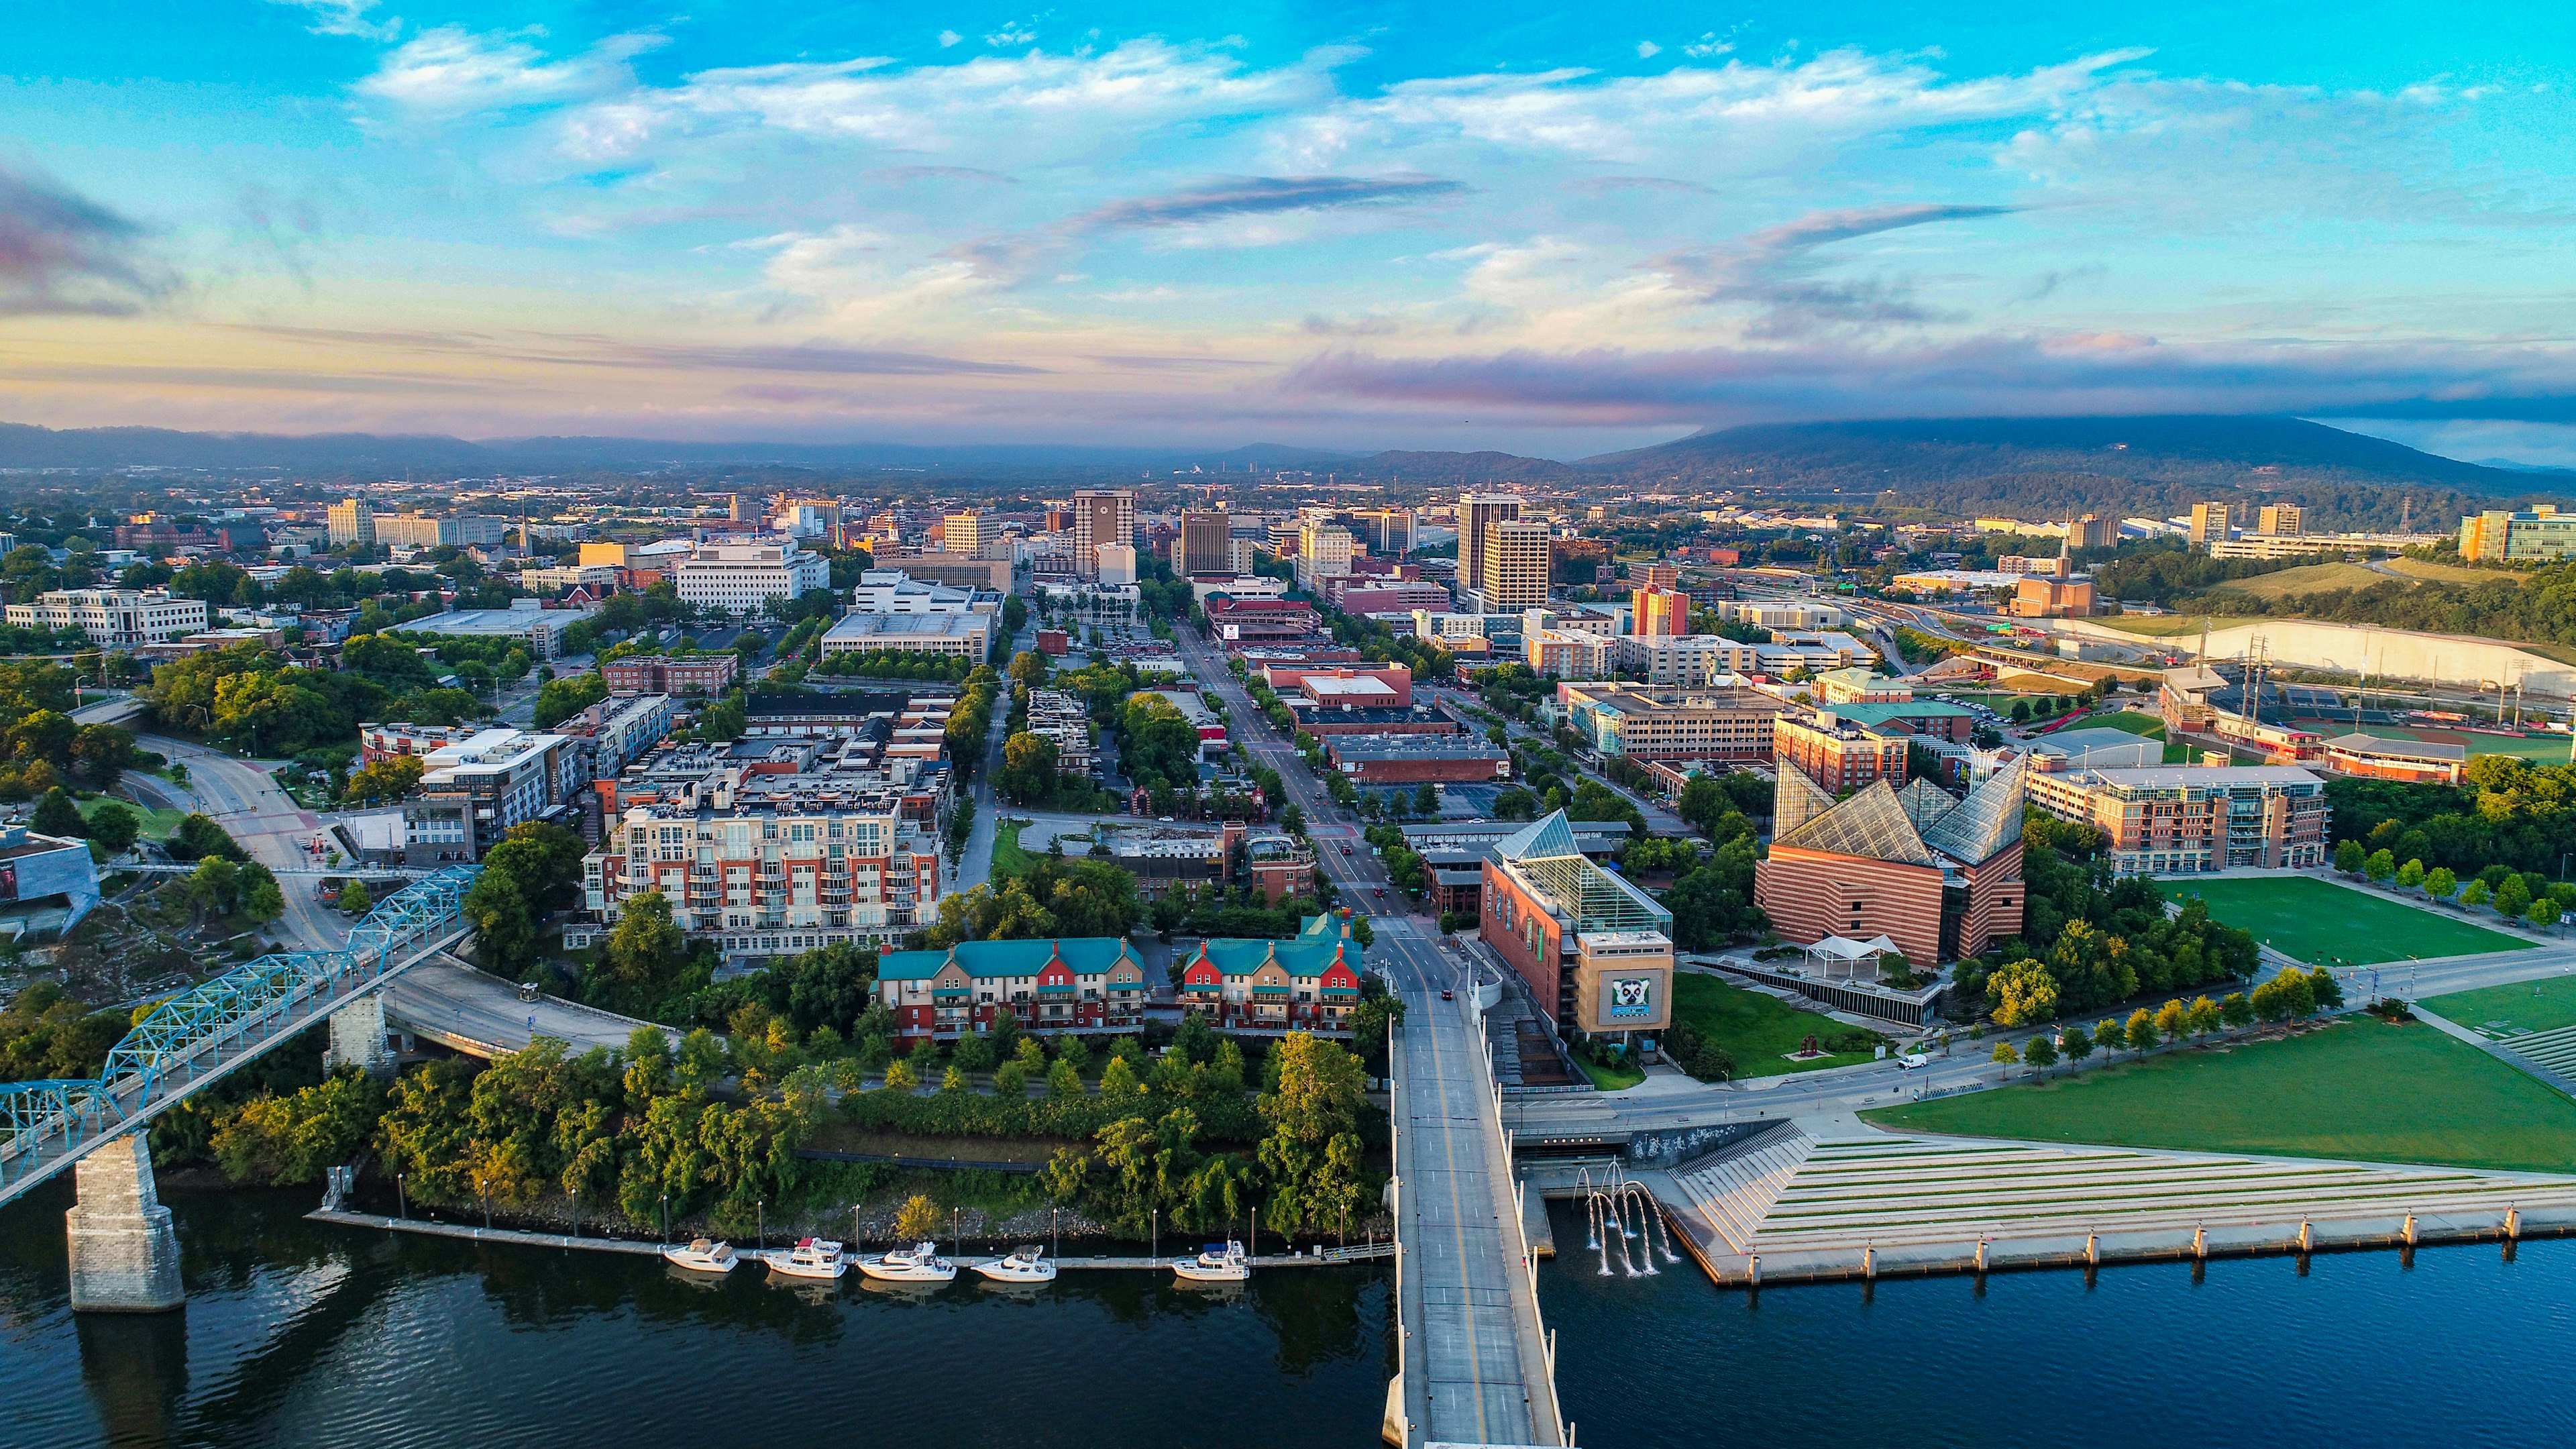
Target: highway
[451, 1003]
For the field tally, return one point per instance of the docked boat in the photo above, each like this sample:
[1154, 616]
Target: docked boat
[919, 1263]
[810, 1258]
[1021, 1265]
[704, 1256]
[1216, 1263]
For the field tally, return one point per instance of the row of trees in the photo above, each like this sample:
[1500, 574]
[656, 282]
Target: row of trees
[42, 746]
[2524, 895]
[2291, 995]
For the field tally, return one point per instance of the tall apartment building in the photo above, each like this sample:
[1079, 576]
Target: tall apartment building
[2187, 819]
[2208, 521]
[351, 520]
[2281, 520]
[1101, 516]
[1514, 563]
[1660, 613]
[1476, 513]
[113, 618]
[1657, 576]
[478, 782]
[1205, 544]
[1324, 551]
[962, 533]
[430, 530]
[1838, 753]
[2092, 531]
[739, 577]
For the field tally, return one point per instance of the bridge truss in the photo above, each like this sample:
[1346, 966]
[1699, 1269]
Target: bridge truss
[204, 1033]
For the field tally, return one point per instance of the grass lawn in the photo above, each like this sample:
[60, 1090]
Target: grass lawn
[1756, 1030]
[1609, 1079]
[157, 824]
[2543, 1005]
[2307, 579]
[2362, 1090]
[2129, 721]
[2416, 568]
[2170, 626]
[1008, 858]
[2318, 921]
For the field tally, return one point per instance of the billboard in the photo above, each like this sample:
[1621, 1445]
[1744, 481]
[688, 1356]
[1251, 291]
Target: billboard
[1628, 997]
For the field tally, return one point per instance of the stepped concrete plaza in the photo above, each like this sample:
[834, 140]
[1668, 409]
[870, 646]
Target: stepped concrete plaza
[1830, 1198]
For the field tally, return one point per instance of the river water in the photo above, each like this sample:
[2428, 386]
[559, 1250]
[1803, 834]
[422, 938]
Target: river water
[299, 1334]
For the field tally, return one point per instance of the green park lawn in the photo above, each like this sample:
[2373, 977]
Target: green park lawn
[2543, 1005]
[2129, 721]
[1609, 1079]
[157, 823]
[1008, 858]
[1756, 1030]
[2362, 1090]
[2318, 921]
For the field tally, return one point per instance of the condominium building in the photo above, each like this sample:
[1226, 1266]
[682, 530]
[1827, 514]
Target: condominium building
[614, 733]
[740, 577]
[429, 530]
[1567, 653]
[1661, 613]
[962, 532]
[1476, 513]
[2208, 521]
[1672, 724]
[1513, 565]
[2188, 819]
[478, 781]
[1064, 721]
[1837, 753]
[113, 618]
[1664, 576]
[1075, 984]
[1205, 544]
[672, 674]
[1101, 516]
[1595, 951]
[1680, 661]
[2281, 520]
[352, 520]
[1309, 982]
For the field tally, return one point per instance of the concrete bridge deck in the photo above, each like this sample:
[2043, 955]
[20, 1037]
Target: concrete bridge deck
[446, 1001]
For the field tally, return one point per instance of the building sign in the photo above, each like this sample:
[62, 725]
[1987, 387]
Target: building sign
[1630, 996]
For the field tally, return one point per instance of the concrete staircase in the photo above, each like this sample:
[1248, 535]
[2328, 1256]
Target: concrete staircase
[1733, 1190]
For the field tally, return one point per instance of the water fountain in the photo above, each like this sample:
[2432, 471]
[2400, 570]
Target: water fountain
[1609, 1203]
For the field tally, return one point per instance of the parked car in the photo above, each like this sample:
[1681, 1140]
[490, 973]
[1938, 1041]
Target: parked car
[1912, 1060]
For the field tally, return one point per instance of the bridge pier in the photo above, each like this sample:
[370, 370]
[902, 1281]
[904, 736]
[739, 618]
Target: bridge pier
[358, 1038]
[124, 1256]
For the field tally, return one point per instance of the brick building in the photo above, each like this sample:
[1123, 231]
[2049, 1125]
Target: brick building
[1836, 753]
[672, 674]
[1938, 875]
[1084, 984]
[1307, 983]
[2188, 819]
[1595, 951]
[1409, 760]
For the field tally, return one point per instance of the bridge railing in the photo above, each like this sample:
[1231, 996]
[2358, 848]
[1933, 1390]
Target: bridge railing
[174, 1041]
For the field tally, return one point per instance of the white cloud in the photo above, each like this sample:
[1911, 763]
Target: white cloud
[345, 17]
[1013, 32]
[453, 71]
[1707, 46]
[1648, 50]
[948, 38]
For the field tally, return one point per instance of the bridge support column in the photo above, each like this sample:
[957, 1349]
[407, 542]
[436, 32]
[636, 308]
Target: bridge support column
[358, 1038]
[125, 1258]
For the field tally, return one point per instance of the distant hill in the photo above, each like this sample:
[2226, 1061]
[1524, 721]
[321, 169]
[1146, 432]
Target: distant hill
[1487, 467]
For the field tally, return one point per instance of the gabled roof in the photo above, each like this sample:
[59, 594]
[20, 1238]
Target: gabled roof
[1987, 821]
[1871, 824]
[1085, 955]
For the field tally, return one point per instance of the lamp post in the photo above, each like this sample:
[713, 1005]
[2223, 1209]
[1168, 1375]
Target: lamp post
[666, 1218]
[761, 1207]
[402, 1204]
[1154, 1231]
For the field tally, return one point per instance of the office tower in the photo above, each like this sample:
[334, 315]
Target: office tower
[2281, 520]
[351, 521]
[1661, 614]
[1324, 551]
[1515, 558]
[1476, 513]
[2208, 521]
[1101, 516]
[962, 533]
[1205, 543]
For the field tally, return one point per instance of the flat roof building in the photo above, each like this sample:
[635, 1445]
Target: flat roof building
[1595, 951]
[961, 636]
[2191, 819]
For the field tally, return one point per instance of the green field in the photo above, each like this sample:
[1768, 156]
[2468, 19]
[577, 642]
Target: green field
[2129, 721]
[1756, 1030]
[157, 823]
[2317, 921]
[1008, 858]
[2362, 1090]
[2543, 1005]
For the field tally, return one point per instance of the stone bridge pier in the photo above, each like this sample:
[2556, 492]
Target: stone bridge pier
[358, 1037]
[124, 1256]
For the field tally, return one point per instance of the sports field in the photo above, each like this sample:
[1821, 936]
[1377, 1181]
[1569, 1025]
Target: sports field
[2318, 921]
[2542, 749]
[2543, 1005]
[2362, 1090]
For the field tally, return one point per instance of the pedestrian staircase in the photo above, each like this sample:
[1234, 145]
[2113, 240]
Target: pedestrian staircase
[1735, 1188]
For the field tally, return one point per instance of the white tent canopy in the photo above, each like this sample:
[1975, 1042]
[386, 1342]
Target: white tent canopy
[1850, 955]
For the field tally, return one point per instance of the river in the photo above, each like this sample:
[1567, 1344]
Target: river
[301, 1334]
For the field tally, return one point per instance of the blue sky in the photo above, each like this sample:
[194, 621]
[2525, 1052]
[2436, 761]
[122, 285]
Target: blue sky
[1542, 228]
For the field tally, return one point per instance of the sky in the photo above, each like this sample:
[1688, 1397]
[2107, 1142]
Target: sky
[1545, 229]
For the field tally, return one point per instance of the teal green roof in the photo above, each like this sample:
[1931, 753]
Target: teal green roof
[1877, 714]
[1083, 955]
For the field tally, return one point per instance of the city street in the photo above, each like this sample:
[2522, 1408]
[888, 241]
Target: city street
[240, 796]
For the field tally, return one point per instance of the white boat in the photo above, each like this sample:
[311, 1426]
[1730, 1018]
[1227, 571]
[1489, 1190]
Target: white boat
[1021, 1265]
[810, 1258]
[1216, 1263]
[920, 1263]
[704, 1256]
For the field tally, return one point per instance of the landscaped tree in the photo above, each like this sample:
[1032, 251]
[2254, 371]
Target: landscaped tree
[2041, 1053]
[2544, 912]
[2512, 897]
[261, 899]
[1011, 1081]
[113, 826]
[975, 1052]
[2005, 1056]
[2141, 1032]
[2236, 1012]
[644, 952]
[2439, 882]
[1064, 1084]
[900, 1077]
[2349, 857]
[2327, 990]
[919, 1220]
[58, 816]
[2079, 1044]
[2022, 992]
[2380, 866]
[2203, 1018]
[2411, 874]
[2173, 1020]
[384, 781]
[355, 898]
[2108, 1035]
[2476, 893]
[1314, 1156]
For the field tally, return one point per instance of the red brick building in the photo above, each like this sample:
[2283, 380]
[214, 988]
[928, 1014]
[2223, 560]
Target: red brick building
[672, 674]
[1937, 875]
[1092, 984]
[1838, 754]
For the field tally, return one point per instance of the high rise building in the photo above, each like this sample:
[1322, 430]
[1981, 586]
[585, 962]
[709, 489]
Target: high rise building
[351, 520]
[1477, 512]
[2281, 520]
[1205, 543]
[962, 533]
[2092, 531]
[2208, 521]
[1657, 576]
[1661, 614]
[1324, 551]
[1387, 531]
[1101, 515]
[741, 508]
[1514, 558]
